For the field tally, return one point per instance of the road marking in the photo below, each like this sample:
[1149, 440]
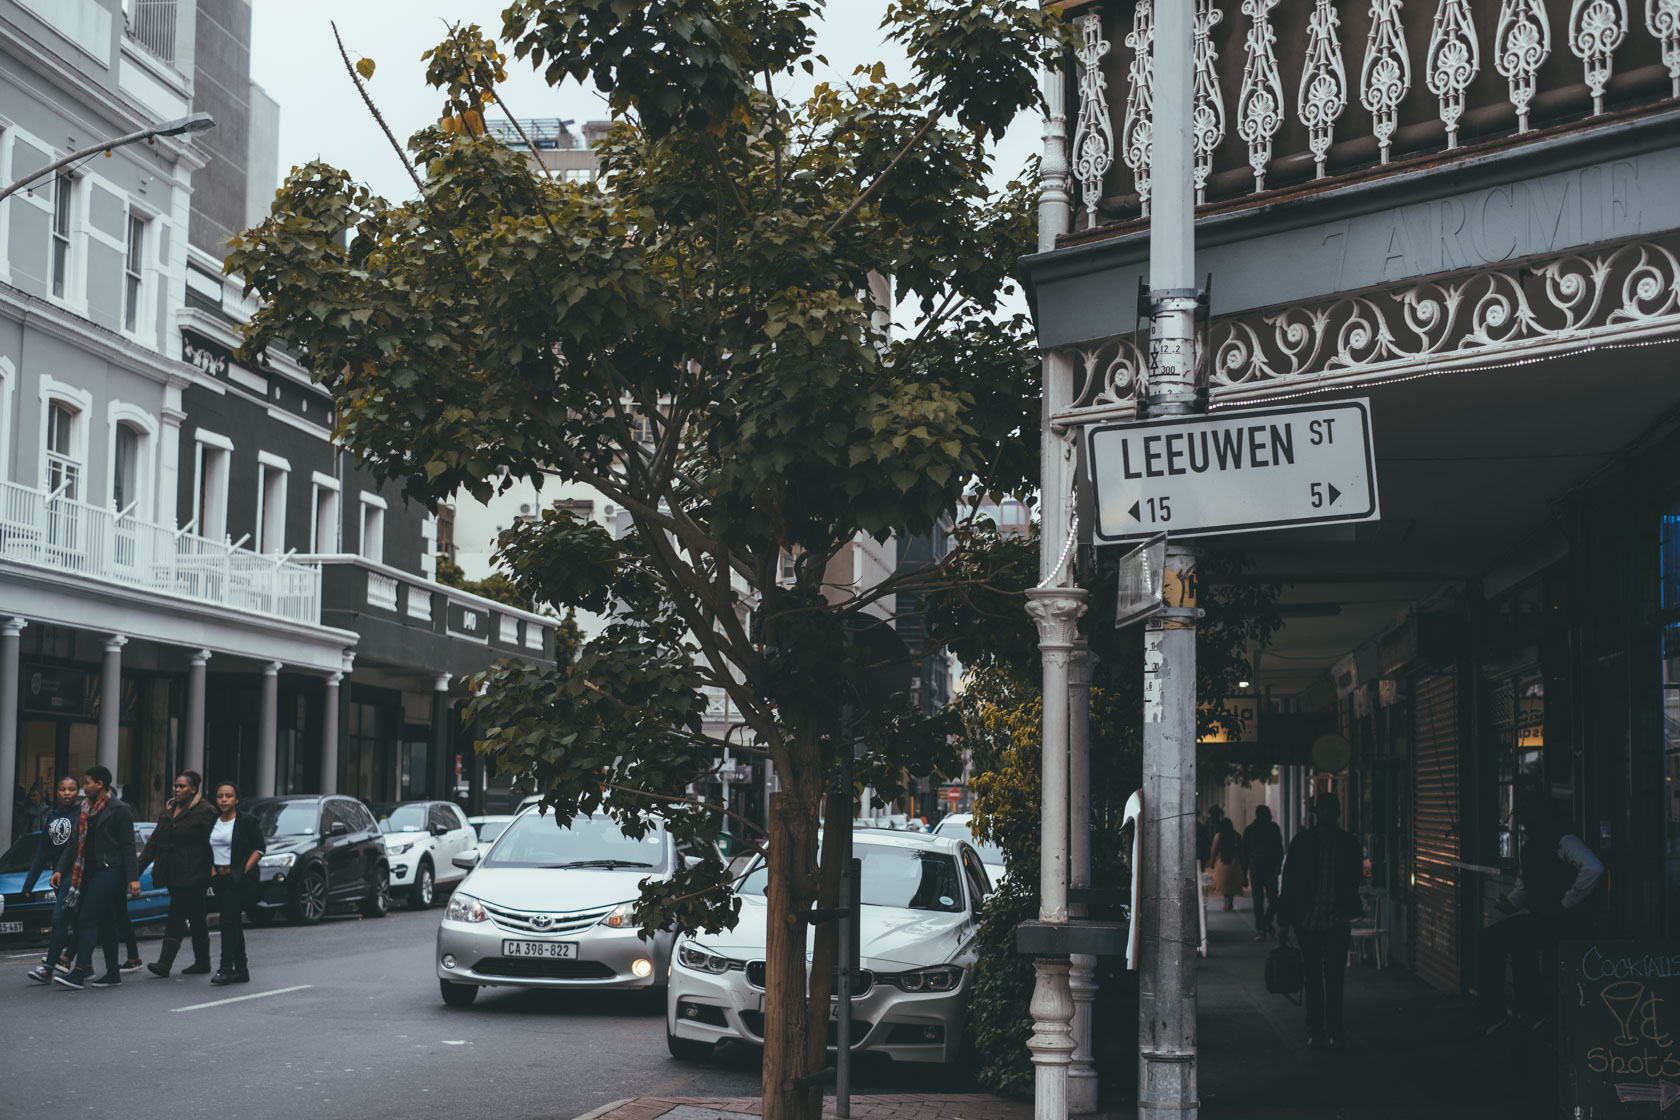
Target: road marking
[240, 999]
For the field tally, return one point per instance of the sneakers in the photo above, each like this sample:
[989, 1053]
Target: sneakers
[114, 980]
[132, 964]
[75, 978]
[41, 974]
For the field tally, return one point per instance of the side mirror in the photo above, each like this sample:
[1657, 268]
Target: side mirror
[440, 830]
[466, 860]
[337, 828]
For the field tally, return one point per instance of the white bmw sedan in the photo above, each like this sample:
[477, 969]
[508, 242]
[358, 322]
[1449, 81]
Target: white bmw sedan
[921, 902]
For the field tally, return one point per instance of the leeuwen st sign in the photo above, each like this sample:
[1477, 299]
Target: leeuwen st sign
[1233, 472]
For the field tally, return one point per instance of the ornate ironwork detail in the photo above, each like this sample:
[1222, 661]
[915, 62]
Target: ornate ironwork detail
[1107, 373]
[1662, 20]
[1260, 105]
[1521, 44]
[1453, 61]
[1596, 29]
[1209, 113]
[1386, 76]
[1324, 88]
[1135, 130]
[1093, 136]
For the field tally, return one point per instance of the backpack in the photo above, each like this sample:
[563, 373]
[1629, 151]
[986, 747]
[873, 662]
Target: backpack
[1285, 972]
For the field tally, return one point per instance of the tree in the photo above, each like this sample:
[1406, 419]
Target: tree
[700, 339]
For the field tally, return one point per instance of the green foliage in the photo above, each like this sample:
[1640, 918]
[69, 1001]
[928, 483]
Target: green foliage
[998, 1020]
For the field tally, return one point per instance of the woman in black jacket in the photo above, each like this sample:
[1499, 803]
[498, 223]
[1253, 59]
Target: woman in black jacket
[178, 852]
[236, 849]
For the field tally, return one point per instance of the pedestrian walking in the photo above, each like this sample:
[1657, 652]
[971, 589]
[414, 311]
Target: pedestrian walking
[1263, 848]
[178, 853]
[96, 865]
[36, 812]
[55, 835]
[1320, 897]
[1227, 862]
[236, 848]
[1557, 874]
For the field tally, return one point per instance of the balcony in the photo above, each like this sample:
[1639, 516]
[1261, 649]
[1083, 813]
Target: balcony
[151, 23]
[61, 535]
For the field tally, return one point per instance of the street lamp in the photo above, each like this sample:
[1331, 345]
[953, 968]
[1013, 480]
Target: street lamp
[197, 122]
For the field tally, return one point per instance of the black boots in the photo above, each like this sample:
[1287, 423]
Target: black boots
[166, 957]
[232, 972]
[241, 974]
[201, 953]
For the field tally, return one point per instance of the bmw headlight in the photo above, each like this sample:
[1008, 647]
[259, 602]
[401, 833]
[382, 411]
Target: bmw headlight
[701, 959]
[945, 978]
[465, 908]
[398, 849]
[621, 916]
[284, 859]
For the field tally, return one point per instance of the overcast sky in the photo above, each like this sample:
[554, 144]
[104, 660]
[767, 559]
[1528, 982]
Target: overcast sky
[294, 58]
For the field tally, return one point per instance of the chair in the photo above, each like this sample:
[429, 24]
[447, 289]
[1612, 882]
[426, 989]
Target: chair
[1370, 931]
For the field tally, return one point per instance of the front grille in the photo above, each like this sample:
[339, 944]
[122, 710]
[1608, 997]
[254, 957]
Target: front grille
[862, 979]
[529, 921]
[543, 968]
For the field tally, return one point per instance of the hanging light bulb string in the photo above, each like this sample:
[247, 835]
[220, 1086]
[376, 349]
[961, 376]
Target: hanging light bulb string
[1067, 550]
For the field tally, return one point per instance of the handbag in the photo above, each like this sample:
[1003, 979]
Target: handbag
[1285, 972]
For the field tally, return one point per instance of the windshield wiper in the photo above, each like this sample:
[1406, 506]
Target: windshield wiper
[609, 864]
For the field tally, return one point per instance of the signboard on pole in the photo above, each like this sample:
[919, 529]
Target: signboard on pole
[1232, 472]
[1141, 574]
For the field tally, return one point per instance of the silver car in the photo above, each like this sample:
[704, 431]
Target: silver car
[550, 907]
[921, 902]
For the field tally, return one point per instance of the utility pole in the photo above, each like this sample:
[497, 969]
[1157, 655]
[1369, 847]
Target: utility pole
[1168, 937]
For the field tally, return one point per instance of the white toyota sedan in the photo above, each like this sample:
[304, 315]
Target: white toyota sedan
[921, 903]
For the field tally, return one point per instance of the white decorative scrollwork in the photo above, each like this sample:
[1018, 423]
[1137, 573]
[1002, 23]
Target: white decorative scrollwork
[1107, 374]
[1093, 137]
[1260, 103]
[1386, 76]
[1135, 131]
[1209, 113]
[1596, 29]
[1521, 44]
[1324, 88]
[1662, 20]
[1453, 61]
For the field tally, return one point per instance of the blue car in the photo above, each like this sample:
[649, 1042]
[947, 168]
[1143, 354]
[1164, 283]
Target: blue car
[31, 916]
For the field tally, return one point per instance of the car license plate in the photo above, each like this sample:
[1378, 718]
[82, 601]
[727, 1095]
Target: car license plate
[560, 950]
[11, 927]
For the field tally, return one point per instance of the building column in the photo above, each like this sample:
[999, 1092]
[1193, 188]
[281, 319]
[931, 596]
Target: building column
[195, 711]
[329, 736]
[441, 775]
[10, 629]
[1082, 970]
[110, 704]
[268, 727]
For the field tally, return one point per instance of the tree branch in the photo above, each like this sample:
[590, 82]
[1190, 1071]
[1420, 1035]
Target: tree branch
[875, 187]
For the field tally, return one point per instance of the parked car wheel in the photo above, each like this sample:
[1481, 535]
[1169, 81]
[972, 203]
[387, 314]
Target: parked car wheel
[458, 995]
[310, 904]
[687, 1049]
[378, 902]
[424, 890]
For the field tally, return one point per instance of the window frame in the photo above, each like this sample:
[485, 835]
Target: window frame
[119, 414]
[270, 464]
[209, 444]
[79, 403]
[135, 286]
[325, 483]
[378, 506]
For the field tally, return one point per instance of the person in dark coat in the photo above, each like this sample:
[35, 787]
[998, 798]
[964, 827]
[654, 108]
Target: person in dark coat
[1320, 897]
[178, 853]
[96, 865]
[1227, 862]
[236, 847]
[60, 827]
[1263, 847]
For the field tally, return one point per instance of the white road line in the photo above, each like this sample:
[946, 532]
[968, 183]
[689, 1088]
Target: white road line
[239, 999]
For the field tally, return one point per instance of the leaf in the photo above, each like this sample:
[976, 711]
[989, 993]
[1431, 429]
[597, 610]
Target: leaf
[364, 67]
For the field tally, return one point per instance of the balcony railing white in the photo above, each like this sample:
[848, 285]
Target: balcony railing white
[419, 603]
[382, 591]
[58, 533]
[509, 629]
[151, 23]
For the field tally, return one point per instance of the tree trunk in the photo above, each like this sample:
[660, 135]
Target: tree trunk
[791, 1091]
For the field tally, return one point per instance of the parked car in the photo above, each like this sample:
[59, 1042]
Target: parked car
[422, 839]
[488, 828]
[961, 825]
[30, 917]
[323, 851]
[921, 901]
[550, 907]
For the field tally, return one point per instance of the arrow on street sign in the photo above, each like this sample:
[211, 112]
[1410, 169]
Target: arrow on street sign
[1240, 471]
[1664, 1095]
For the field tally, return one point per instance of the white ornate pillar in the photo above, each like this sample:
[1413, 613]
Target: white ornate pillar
[329, 735]
[268, 725]
[1082, 970]
[440, 781]
[110, 704]
[194, 759]
[10, 631]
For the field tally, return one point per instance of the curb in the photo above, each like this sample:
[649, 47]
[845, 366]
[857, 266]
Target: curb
[604, 1109]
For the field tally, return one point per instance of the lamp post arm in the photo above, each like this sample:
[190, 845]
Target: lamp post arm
[197, 122]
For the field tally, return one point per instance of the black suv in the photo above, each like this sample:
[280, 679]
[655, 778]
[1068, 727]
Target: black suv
[323, 851]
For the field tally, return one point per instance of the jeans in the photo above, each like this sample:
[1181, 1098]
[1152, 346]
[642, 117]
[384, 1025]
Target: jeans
[103, 898]
[186, 910]
[1263, 885]
[1324, 954]
[230, 899]
[63, 926]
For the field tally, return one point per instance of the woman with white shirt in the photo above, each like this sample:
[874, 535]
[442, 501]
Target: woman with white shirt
[236, 847]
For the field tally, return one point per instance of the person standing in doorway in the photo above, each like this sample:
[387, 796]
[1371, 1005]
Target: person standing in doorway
[236, 848]
[1320, 897]
[1263, 847]
[96, 865]
[179, 856]
[55, 835]
[1227, 862]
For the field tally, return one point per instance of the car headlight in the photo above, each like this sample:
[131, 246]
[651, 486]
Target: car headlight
[945, 978]
[284, 859]
[621, 916]
[701, 959]
[465, 908]
[398, 849]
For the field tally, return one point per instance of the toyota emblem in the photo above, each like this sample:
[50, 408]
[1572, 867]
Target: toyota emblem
[542, 921]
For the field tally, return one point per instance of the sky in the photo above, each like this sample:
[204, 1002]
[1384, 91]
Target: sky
[294, 58]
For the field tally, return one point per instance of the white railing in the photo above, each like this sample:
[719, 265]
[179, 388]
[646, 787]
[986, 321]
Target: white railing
[151, 23]
[51, 531]
[382, 591]
[509, 632]
[419, 603]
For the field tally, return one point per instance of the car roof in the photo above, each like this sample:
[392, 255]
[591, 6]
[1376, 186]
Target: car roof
[889, 838]
[491, 818]
[299, 797]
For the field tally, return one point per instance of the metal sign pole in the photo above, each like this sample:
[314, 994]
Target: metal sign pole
[1167, 1015]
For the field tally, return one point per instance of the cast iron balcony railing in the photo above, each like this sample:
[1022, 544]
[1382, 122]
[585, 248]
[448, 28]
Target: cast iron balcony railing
[151, 23]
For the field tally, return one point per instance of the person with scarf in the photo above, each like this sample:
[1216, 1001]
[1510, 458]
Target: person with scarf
[93, 869]
[178, 853]
[55, 836]
[236, 848]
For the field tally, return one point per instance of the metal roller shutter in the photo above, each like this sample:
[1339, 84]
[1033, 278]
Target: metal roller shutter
[1435, 840]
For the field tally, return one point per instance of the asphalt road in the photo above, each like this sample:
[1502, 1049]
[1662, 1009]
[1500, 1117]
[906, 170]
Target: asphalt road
[343, 1019]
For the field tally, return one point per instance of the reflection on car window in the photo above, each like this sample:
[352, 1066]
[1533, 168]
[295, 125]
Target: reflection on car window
[906, 878]
[405, 818]
[489, 830]
[21, 855]
[287, 818]
[539, 841]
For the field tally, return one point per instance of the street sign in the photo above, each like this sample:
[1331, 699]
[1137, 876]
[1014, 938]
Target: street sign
[1141, 573]
[953, 794]
[1233, 472]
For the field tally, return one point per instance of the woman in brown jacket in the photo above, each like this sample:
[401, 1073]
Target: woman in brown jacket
[1227, 862]
[179, 852]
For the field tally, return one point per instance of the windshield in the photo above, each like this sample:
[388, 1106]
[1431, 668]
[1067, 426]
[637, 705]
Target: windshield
[287, 818]
[405, 818]
[21, 855]
[905, 878]
[539, 841]
[489, 830]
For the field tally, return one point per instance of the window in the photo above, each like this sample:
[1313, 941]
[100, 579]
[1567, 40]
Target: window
[372, 545]
[125, 468]
[132, 261]
[323, 537]
[64, 188]
[64, 466]
[272, 473]
[210, 490]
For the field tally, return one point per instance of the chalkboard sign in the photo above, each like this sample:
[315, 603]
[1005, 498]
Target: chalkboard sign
[1620, 1008]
